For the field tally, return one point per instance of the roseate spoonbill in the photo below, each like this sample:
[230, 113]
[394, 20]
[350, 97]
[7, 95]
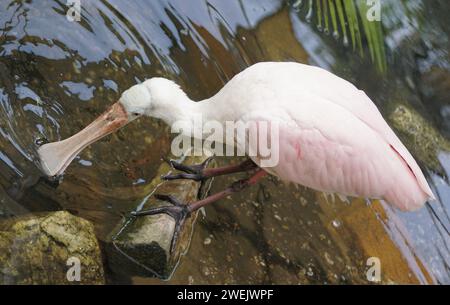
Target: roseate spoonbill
[332, 137]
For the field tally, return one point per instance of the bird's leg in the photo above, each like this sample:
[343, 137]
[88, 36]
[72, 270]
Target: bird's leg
[181, 211]
[199, 172]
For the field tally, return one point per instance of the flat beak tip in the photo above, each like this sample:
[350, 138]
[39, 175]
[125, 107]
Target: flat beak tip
[44, 157]
[55, 157]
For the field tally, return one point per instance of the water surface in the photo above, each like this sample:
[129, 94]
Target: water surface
[56, 76]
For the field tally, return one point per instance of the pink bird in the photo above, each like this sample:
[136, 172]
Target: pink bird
[331, 136]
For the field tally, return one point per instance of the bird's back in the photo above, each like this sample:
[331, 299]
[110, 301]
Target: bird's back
[318, 102]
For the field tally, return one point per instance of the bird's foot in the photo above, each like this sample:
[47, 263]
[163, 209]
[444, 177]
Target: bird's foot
[193, 172]
[178, 211]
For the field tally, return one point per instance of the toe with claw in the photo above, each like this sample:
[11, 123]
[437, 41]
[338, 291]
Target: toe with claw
[178, 211]
[194, 172]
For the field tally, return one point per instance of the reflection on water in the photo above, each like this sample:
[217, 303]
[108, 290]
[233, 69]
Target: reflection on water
[56, 76]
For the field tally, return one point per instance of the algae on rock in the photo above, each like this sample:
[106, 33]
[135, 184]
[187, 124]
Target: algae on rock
[36, 250]
[140, 245]
[420, 136]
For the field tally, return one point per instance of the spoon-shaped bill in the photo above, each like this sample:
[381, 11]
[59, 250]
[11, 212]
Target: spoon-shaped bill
[55, 157]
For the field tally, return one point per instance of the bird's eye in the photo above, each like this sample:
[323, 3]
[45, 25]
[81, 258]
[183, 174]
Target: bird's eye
[135, 114]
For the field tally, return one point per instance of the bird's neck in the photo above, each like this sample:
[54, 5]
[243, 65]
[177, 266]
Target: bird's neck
[184, 109]
[171, 104]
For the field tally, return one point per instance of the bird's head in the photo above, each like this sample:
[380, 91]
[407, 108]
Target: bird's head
[148, 98]
[136, 101]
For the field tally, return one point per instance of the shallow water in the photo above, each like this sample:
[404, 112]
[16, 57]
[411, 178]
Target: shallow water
[56, 76]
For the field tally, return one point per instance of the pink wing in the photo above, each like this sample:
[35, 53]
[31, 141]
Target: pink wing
[334, 138]
[357, 102]
[334, 151]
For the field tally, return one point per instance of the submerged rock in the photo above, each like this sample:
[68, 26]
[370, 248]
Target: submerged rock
[43, 250]
[141, 245]
[421, 137]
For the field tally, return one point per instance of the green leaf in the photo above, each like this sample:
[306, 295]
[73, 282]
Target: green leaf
[350, 16]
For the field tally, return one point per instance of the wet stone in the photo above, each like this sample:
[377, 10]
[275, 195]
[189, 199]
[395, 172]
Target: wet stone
[140, 246]
[43, 249]
[419, 135]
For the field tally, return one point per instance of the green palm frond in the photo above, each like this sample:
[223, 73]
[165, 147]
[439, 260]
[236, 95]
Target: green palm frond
[347, 20]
